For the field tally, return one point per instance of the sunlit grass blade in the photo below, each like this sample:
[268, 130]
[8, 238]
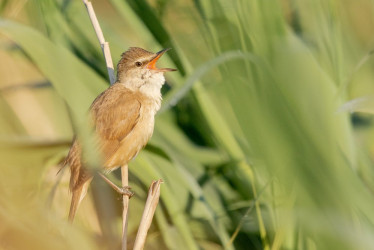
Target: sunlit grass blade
[69, 76]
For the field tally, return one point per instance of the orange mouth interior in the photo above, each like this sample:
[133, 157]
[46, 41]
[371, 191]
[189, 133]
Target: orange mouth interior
[152, 64]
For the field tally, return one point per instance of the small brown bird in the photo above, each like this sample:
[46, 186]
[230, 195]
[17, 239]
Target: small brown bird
[123, 118]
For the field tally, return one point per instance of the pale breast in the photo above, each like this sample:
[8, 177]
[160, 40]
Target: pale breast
[136, 139]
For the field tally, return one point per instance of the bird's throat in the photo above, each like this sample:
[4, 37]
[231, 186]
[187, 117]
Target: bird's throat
[152, 87]
[149, 84]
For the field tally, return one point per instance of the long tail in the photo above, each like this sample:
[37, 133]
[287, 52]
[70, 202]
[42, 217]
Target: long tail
[77, 196]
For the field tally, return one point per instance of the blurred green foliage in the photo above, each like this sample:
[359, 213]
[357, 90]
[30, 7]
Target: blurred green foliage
[258, 140]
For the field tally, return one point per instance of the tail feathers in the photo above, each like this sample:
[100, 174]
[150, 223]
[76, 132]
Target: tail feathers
[77, 196]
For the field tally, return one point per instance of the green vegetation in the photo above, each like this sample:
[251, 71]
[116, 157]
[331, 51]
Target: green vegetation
[257, 142]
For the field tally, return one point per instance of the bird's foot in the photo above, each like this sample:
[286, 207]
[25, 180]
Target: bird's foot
[126, 190]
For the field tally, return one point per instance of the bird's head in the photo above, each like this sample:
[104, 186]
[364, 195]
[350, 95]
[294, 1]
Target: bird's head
[138, 67]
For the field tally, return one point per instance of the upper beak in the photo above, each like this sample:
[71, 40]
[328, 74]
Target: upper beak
[152, 63]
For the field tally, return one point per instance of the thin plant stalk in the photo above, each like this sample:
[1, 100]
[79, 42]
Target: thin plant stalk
[125, 201]
[149, 211]
[104, 44]
[154, 190]
[109, 64]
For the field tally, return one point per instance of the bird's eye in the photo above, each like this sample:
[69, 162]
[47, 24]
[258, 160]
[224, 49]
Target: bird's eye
[138, 64]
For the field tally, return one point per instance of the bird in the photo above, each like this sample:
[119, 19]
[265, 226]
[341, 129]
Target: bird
[123, 118]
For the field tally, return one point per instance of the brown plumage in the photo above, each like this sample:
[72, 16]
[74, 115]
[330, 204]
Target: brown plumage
[123, 118]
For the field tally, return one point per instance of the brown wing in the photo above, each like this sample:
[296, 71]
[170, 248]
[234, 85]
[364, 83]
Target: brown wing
[115, 113]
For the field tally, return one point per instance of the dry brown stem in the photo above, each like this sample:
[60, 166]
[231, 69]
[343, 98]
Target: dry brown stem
[149, 211]
[154, 190]
[109, 64]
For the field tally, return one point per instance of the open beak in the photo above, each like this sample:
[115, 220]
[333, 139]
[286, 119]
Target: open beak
[152, 64]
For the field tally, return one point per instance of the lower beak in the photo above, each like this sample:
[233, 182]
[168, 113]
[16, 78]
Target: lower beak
[152, 64]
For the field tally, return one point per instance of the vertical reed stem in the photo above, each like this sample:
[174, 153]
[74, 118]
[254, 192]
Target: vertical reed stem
[125, 200]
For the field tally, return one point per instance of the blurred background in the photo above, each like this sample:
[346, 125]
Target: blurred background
[264, 140]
